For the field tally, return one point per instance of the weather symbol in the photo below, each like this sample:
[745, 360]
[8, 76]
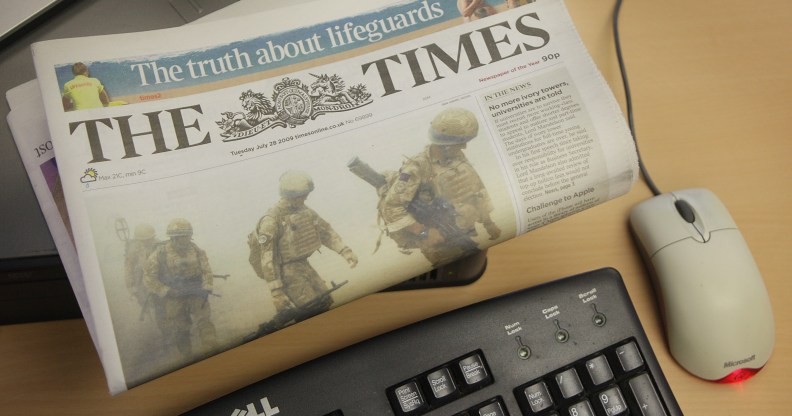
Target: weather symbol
[89, 176]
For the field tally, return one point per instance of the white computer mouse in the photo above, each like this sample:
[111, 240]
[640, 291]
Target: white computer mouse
[717, 314]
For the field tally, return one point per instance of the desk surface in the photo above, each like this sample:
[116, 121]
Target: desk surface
[712, 91]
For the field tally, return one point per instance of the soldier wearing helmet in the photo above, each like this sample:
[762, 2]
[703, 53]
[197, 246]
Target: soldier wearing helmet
[138, 250]
[287, 235]
[178, 273]
[439, 186]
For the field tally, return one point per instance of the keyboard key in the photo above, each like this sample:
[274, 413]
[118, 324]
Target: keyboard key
[612, 402]
[473, 370]
[409, 397]
[646, 396]
[441, 383]
[629, 356]
[581, 409]
[599, 370]
[538, 397]
[492, 409]
[569, 383]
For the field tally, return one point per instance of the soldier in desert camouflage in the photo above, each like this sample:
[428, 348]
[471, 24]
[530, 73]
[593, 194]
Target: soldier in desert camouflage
[138, 249]
[178, 273]
[436, 199]
[144, 242]
[287, 235]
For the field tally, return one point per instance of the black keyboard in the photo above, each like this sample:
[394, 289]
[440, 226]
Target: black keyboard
[571, 347]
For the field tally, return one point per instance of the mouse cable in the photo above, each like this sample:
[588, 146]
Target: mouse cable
[628, 98]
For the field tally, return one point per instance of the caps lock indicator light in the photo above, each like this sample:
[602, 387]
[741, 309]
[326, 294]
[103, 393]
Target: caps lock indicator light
[561, 335]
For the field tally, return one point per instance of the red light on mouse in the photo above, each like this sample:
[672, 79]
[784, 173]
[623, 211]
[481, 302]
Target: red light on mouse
[737, 376]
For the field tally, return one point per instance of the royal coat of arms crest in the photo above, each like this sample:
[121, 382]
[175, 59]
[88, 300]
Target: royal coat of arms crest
[293, 103]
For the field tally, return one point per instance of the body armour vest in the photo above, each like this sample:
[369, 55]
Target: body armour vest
[179, 268]
[457, 182]
[300, 235]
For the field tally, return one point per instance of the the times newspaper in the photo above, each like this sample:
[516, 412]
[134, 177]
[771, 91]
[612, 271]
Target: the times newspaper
[224, 180]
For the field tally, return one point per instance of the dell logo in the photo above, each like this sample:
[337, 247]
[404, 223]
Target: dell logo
[251, 409]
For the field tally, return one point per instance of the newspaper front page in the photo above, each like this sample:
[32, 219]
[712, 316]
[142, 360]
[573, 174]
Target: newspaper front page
[252, 172]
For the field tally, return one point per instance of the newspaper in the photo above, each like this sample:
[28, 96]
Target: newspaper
[274, 173]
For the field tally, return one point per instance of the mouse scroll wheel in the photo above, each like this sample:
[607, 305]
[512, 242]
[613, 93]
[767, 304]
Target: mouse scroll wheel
[685, 210]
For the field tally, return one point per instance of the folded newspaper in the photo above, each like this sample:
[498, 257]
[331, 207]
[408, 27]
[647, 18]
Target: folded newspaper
[227, 179]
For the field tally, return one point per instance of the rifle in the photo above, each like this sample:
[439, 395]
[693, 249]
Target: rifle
[434, 212]
[319, 300]
[440, 214]
[296, 314]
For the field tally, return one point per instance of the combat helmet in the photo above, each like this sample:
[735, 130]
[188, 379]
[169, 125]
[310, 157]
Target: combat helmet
[453, 126]
[295, 184]
[178, 227]
[143, 232]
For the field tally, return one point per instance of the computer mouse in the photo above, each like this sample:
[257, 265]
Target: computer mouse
[716, 311]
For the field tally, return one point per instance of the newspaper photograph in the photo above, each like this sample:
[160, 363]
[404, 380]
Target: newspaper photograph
[226, 179]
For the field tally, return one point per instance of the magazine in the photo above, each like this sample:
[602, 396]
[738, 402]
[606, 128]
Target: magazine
[222, 184]
[29, 128]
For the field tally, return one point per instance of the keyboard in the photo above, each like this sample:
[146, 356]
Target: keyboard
[570, 347]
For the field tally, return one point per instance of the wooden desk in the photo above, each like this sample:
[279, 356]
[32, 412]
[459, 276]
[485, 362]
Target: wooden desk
[712, 88]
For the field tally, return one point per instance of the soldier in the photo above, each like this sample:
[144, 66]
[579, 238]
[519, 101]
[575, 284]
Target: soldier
[138, 249]
[144, 242]
[287, 235]
[178, 273]
[436, 199]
